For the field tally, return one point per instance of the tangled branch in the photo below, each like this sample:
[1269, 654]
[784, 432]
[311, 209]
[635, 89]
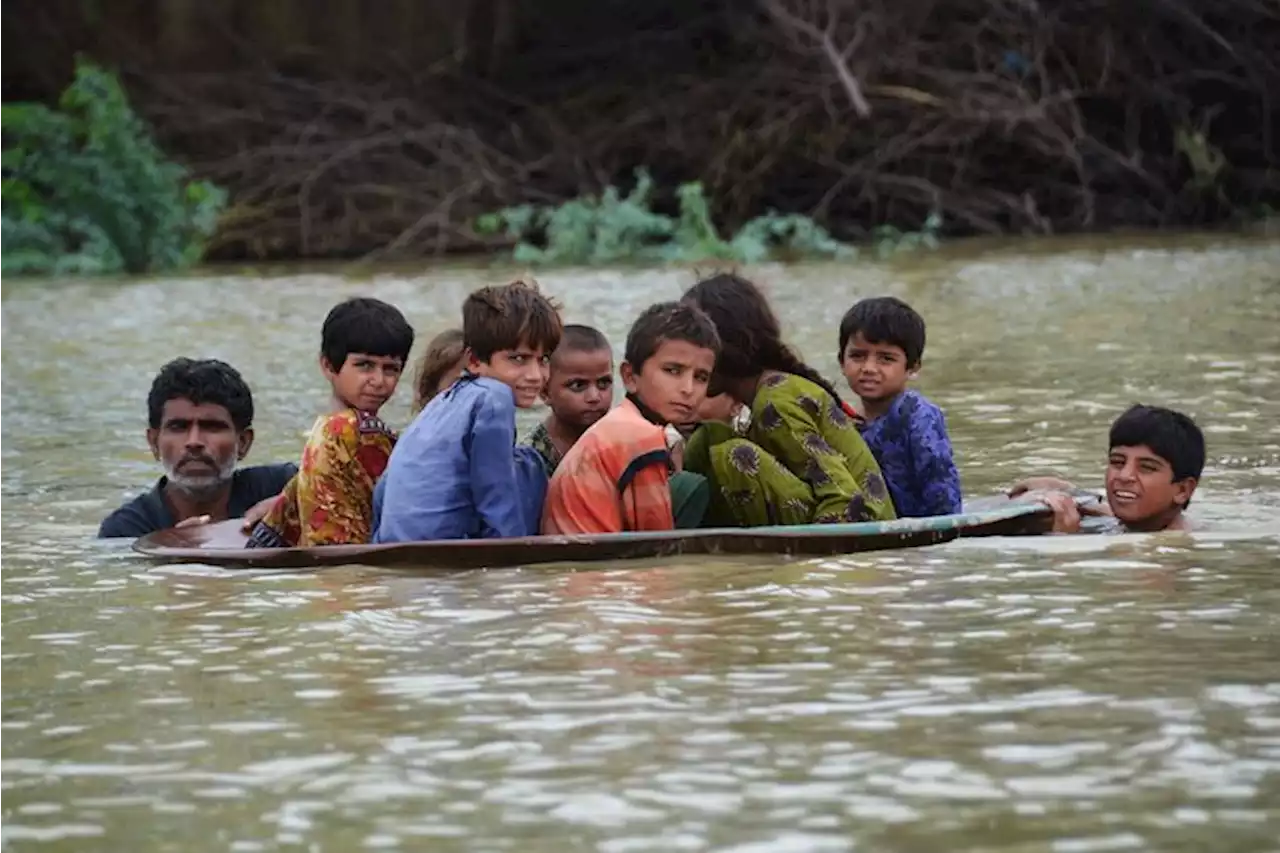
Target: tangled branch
[1000, 115]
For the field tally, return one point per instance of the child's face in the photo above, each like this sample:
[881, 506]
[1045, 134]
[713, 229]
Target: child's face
[580, 387]
[1140, 485]
[874, 371]
[672, 381]
[364, 381]
[523, 369]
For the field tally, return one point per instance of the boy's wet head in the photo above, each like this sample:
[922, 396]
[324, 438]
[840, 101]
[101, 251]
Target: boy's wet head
[364, 344]
[881, 343]
[670, 355]
[1155, 461]
[509, 332]
[580, 385]
[885, 320]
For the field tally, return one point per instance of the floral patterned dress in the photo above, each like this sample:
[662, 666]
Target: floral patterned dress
[800, 461]
[330, 500]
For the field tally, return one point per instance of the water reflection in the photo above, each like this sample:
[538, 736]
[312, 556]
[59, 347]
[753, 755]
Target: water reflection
[1086, 693]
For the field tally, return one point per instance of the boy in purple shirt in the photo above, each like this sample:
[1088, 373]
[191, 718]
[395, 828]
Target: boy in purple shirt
[881, 344]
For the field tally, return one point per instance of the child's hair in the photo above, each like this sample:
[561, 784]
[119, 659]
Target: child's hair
[1171, 435]
[443, 352]
[750, 335]
[502, 317]
[365, 325]
[885, 320]
[668, 321]
[579, 338]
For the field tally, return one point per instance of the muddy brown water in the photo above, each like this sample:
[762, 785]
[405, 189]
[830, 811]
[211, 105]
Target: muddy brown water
[1048, 694]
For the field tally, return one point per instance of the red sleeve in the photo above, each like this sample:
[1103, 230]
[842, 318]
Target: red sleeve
[646, 499]
[583, 501]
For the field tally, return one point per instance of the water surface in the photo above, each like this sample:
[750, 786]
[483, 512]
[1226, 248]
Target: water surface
[1063, 694]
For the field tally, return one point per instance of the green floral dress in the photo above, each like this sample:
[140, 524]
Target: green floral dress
[800, 461]
[540, 440]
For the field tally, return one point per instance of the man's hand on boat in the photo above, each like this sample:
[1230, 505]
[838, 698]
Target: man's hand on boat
[255, 513]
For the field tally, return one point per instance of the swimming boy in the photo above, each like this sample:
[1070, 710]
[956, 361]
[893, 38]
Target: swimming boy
[624, 473]
[579, 392]
[199, 427]
[1153, 468]
[881, 345]
[364, 344]
[457, 473]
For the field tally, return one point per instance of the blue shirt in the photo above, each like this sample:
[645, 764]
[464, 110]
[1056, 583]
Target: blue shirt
[910, 442]
[456, 472]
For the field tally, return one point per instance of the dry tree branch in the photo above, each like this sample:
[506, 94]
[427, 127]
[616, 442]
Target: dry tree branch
[825, 38]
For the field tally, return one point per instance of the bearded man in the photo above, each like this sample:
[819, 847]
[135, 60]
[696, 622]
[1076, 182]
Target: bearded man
[200, 416]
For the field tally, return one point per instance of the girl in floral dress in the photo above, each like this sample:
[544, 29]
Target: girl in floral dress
[801, 459]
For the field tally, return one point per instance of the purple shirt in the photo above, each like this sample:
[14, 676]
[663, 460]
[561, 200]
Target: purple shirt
[910, 442]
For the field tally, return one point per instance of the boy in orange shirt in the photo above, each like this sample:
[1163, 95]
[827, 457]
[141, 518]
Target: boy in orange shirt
[624, 473]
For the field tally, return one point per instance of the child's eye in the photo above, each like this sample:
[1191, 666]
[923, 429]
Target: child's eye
[577, 385]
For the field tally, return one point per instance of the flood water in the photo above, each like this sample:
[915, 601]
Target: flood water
[1041, 694]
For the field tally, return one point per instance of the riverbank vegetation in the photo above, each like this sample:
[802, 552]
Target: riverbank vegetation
[86, 190]
[416, 127]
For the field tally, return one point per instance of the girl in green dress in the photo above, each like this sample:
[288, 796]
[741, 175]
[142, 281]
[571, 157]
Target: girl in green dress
[801, 459]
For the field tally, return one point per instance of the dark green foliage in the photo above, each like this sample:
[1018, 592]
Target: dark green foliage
[86, 190]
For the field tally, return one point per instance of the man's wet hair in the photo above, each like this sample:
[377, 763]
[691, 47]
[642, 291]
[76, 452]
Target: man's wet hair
[579, 338]
[364, 325]
[668, 321]
[885, 320]
[504, 317]
[1171, 435]
[202, 381]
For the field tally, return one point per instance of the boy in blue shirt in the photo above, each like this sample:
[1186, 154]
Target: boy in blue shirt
[881, 344]
[456, 472]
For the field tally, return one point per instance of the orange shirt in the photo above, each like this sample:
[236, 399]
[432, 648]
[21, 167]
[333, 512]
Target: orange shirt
[613, 479]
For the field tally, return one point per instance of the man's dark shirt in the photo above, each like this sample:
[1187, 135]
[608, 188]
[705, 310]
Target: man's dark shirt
[148, 512]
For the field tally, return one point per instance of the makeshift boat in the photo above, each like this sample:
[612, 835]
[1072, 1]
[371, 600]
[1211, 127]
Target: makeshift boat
[222, 543]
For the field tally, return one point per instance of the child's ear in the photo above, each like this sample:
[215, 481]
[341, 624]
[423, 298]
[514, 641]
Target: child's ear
[470, 360]
[628, 376]
[326, 367]
[1183, 490]
[914, 370]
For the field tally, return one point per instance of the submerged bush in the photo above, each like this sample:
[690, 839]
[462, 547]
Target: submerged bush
[87, 191]
[615, 228]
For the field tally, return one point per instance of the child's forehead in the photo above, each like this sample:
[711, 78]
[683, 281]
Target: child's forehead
[1141, 451]
[858, 339]
[582, 359]
[673, 349]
